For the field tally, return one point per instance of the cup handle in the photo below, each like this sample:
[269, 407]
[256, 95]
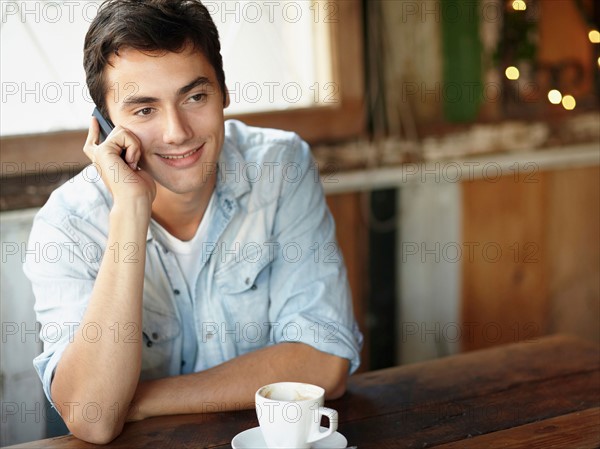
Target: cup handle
[316, 433]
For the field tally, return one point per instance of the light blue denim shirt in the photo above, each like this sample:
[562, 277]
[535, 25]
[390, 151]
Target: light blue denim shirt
[271, 269]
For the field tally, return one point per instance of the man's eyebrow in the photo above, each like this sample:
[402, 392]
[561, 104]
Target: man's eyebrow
[135, 99]
[200, 81]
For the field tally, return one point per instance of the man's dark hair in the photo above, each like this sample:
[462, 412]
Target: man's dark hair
[148, 26]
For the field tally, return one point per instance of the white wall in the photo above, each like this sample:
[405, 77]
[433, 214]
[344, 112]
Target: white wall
[428, 270]
[23, 415]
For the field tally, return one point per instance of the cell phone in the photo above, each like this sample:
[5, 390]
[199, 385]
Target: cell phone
[106, 126]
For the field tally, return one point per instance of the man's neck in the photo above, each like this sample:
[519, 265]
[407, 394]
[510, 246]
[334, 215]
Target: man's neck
[181, 214]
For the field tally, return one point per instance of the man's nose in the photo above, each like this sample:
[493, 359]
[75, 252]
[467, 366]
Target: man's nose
[176, 128]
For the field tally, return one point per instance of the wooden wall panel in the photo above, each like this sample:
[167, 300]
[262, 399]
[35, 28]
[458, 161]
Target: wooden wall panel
[573, 234]
[352, 236]
[548, 277]
[504, 284]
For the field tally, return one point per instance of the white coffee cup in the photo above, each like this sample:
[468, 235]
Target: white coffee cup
[289, 414]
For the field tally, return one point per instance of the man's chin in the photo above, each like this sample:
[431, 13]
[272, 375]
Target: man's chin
[179, 188]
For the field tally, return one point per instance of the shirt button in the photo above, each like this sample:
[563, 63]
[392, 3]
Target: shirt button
[247, 281]
[209, 336]
[154, 336]
[183, 363]
[176, 291]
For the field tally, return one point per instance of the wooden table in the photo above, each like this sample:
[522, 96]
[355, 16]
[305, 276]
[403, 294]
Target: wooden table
[539, 394]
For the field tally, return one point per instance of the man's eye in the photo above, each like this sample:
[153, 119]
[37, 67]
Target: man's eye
[144, 111]
[197, 97]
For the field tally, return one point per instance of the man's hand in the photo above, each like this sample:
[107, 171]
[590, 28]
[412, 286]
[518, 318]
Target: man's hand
[125, 179]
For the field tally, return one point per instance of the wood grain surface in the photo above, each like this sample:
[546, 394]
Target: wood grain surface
[540, 394]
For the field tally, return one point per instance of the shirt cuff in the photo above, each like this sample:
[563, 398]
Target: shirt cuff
[326, 336]
[45, 365]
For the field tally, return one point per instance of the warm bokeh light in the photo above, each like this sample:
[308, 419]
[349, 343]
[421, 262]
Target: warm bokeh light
[512, 73]
[598, 62]
[568, 102]
[519, 5]
[554, 96]
[594, 36]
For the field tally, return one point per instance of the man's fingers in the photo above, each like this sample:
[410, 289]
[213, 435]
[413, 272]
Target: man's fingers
[124, 140]
[133, 156]
[120, 141]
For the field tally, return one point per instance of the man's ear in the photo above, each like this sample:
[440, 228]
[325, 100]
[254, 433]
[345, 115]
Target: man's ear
[226, 97]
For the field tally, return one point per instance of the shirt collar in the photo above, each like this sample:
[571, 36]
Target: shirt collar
[231, 170]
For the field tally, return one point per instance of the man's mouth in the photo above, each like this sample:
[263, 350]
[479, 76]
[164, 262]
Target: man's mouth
[179, 156]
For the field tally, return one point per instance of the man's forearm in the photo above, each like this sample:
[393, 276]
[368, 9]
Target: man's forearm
[231, 385]
[103, 369]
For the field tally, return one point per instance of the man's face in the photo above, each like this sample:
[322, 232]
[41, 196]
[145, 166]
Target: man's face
[173, 104]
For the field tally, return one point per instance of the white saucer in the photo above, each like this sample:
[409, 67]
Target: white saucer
[253, 439]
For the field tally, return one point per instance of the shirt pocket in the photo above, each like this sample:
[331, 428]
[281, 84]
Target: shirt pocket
[243, 288]
[160, 344]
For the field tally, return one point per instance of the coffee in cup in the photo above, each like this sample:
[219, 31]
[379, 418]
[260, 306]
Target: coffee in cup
[289, 414]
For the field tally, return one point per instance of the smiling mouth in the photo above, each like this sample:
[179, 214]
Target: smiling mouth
[182, 156]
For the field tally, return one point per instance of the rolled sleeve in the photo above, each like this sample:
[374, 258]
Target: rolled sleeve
[45, 365]
[330, 337]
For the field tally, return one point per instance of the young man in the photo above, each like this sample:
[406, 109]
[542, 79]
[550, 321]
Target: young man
[199, 267]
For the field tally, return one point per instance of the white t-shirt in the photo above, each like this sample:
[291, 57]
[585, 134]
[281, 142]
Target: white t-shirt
[187, 252]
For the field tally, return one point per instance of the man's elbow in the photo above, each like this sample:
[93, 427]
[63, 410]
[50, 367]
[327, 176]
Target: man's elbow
[88, 423]
[100, 432]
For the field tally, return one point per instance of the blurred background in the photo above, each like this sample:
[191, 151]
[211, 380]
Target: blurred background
[458, 143]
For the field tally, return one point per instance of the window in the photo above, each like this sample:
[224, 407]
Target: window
[277, 55]
[289, 64]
